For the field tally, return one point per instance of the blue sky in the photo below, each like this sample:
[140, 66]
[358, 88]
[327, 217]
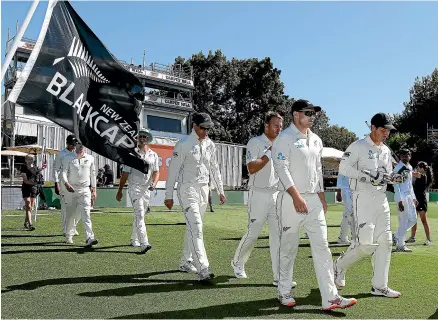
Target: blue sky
[352, 58]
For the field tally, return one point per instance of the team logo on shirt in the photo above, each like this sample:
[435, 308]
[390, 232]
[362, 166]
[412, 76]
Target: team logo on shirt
[280, 156]
[248, 155]
[299, 144]
[175, 154]
[315, 143]
[371, 154]
[194, 150]
[346, 154]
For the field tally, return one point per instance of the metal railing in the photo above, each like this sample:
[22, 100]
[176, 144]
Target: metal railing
[25, 40]
[175, 70]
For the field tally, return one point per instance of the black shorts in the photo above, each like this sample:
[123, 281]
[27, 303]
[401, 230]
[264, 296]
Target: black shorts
[31, 192]
[422, 205]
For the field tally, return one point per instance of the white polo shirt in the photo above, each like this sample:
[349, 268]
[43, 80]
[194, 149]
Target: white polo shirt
[138, 178]
[297, 160]
[59, 162]
[405, 188]
[364, 154]
[265, 178]
[80, 173]
[193, 162]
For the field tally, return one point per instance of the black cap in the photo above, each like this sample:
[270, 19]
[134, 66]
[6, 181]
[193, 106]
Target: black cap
[301, 104]
[403, 152]
[202, 120]
[71, 139]
[382, 120]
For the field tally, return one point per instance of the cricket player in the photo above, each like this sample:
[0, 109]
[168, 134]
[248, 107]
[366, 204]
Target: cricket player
[296, 154]
[193, 164]
[139, 189]
[347, 224]
[78, 175]
[406, 200]
[64, 156]
[263, 192]
[367, 163]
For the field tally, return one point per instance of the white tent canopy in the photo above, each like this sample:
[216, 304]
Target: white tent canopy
[331, 153]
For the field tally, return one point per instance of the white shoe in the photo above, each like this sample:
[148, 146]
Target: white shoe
[91, 242]
[205, 275]
[339, 302]
[69, 240]
[187, 267]
[76, 233]
[403, 249]
[343, 241]
[287, 300]
[239, 272]
[339, 276]
[386, 292]
[428, 243]
[134, 243]
[275, 283]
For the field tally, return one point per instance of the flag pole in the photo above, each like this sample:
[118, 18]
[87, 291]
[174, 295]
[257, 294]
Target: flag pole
[18, 37]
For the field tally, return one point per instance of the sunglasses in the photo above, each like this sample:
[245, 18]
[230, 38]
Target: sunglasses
[309, 113]
[146, 137]
[204, 128]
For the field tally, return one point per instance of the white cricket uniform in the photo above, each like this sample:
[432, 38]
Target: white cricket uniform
[347, 222]
[371, 208]
[80, 173]
[63, 156]
[405, 192]
[263, 192]
[138, 189]
[193, 164]
[297, 160]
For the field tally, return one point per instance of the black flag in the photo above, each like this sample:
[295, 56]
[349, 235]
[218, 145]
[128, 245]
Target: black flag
[73, 80]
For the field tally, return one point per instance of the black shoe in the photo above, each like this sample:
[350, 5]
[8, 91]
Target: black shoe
[31, 227]
[144, 249]
[90, 242]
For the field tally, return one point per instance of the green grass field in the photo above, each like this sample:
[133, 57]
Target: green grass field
[42, 277]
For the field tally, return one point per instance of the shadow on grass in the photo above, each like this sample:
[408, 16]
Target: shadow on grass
[245, 309]
[171, 285]
[75, 248]
[435, 315]
[119, 278]
[30, 235]
[36, 244]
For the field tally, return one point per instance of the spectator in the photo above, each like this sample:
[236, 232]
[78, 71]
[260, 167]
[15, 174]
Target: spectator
[32, 181]
[423, 181]
[109, 176]
[101, 178]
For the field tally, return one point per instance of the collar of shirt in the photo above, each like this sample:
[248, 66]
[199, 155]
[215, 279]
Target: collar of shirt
[298, 132]
[371, 142]
[195, 137]
[266, 139]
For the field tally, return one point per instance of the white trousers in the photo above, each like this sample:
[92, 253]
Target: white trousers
[140, 196]
[373, 229]
[261, 207]
[406, 219]
[194, 200]
[347, 222]
[315, 225]
[62, 193]
[78, 205]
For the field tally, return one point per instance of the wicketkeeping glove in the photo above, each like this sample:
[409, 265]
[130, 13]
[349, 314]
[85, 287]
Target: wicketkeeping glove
[378, 178]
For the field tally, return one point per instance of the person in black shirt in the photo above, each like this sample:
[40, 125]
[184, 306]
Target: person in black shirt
[109, 175]
[30, 188]
[421, 184]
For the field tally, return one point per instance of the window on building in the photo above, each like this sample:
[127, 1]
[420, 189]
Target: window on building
[164, 124]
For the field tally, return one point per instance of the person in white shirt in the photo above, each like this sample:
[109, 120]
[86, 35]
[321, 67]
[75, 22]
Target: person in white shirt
[64, 156]
[78, 175]
[296, 154]
[139, 189]
[263, 192]
[367, 162]
[406, 201]
[193, 164]
[347, 224]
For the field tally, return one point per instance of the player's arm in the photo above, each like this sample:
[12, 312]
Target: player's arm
[349, 161]
[155, 173]
[93, 179]
[175, 165]
[65, 172]
[216, 175]
[320, 187]
[253, 163]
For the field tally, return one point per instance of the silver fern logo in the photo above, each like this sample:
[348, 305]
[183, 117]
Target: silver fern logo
[82, 63]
